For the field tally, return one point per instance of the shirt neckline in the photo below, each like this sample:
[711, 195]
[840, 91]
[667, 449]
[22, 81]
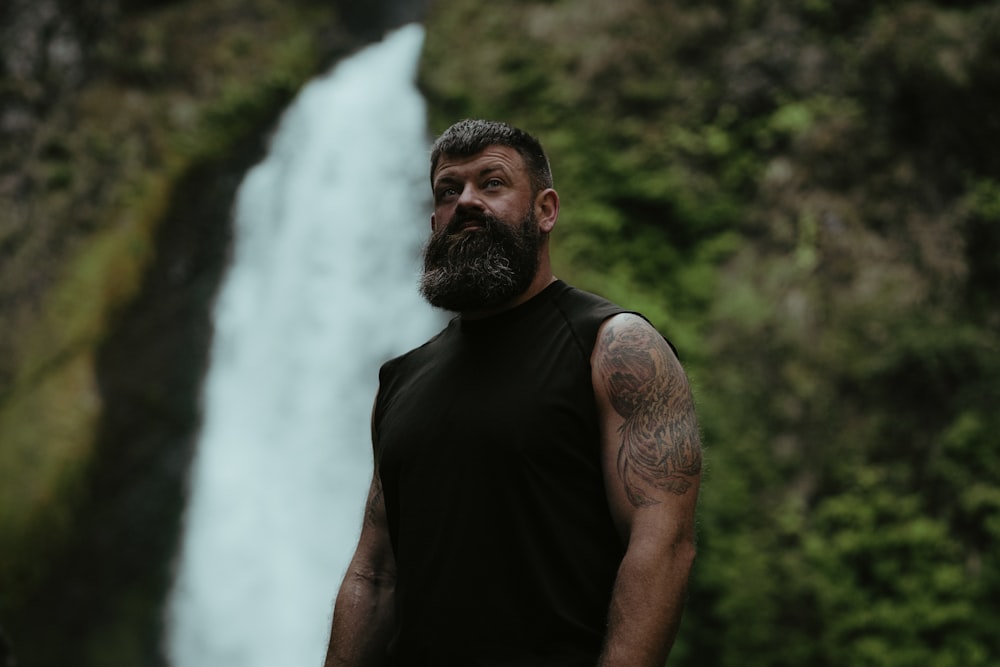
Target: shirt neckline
[510, 316]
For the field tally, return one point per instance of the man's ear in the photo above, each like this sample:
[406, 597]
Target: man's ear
[433, 220]
[547, 209]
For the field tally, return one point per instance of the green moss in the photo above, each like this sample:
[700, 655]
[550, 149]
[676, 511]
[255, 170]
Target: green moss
[47, 432]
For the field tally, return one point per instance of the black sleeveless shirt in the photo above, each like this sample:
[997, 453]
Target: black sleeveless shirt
[488, 446]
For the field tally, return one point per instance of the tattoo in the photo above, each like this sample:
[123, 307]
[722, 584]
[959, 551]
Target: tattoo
[373, 507]
[660, 446]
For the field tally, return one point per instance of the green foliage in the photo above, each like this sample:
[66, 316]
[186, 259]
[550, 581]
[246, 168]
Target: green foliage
[891, 580]
[982, 238]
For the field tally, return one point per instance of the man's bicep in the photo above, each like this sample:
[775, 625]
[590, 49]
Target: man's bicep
[374, 548]
[650, 439]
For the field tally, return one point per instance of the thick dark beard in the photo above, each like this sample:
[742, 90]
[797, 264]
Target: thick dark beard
[480, 269]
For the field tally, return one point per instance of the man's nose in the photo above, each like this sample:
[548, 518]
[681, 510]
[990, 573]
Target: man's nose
[469, 198]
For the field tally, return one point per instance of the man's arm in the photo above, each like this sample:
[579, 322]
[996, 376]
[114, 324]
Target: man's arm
[652, 465]
[363, 613]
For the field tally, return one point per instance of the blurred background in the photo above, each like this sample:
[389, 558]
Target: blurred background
[803, 196]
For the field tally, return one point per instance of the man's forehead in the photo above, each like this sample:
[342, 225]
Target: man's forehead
[490, 158]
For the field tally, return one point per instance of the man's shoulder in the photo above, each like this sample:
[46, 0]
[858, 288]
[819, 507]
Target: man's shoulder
[584, 312]
[581, 306]
[576, 298]
[595, 310]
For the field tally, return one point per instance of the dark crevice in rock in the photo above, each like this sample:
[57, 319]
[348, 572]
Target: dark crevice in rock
[369, 21]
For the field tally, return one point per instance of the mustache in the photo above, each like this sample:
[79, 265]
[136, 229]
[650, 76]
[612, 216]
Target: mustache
[464, 216]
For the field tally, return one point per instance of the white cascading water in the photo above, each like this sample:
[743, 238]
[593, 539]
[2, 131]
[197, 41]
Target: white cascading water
[322, 289]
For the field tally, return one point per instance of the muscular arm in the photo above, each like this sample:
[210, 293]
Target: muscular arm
[363, 613]
[652, 465]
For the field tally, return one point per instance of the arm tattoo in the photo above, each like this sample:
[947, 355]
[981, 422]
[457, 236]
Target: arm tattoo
[374, 501]
[660, 446]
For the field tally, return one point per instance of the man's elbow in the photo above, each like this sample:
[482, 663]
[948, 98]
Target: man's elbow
[376, 578]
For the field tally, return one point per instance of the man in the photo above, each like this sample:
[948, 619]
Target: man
[537, 463]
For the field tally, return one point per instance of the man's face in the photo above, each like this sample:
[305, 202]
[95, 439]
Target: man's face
[485, 242]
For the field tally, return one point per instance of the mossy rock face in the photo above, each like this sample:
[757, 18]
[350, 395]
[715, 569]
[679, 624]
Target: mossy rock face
[103, 576]
[114, 229]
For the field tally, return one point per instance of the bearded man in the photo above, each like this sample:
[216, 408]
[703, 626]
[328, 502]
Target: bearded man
[537, 463]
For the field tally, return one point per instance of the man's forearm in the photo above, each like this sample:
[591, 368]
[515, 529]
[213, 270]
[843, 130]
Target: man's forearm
[646, 607]
[362, 622]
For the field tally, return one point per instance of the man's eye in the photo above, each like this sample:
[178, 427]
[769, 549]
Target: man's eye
[494, 183]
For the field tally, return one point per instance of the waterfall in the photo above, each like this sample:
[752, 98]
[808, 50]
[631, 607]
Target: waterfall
[321, 290]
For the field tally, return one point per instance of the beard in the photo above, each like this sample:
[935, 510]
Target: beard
[480, 269]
